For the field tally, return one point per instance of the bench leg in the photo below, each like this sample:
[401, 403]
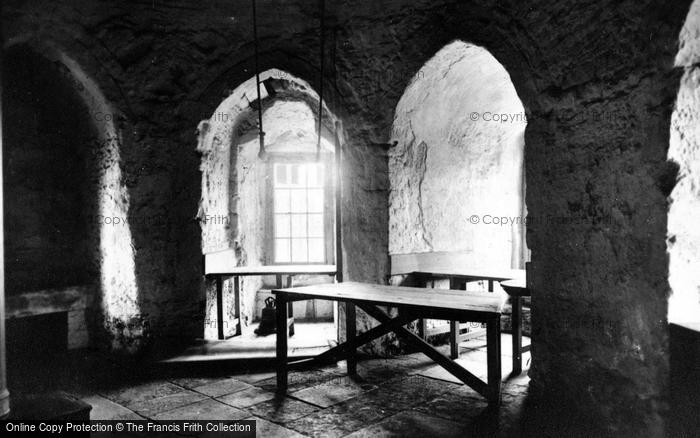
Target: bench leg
[454, 339]
[454, 325]
[237, 303]
[493, 354]
[281, 316]
[426, 282]
[351, 332]
[517, 336]
[220, 306]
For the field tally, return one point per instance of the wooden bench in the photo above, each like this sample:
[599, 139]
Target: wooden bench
[412, 303]
[222, 264]
[458, 269]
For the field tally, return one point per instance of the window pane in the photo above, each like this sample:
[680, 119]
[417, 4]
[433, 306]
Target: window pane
[298, 201]
[315, 175]
[316, 251]
[316, 201]
[282, 225]
[280, 174]
[298, 175]
[315, 225]
[299, 225]
[282, 201]
[299, 254]
[282, 251]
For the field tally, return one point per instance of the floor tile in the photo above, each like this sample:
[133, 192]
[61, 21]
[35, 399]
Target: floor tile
[132, 395]
[105, 409]
[333, 392]
[254, 378]
[341, 419]
[282, 409]
[298, 380]
[459, 406]
[477, 367]
[206, 409]
[149, 408]
[193, 382]
[247, 397]
[403, 393]
[413, 424]
[222, 387]
[266, 429]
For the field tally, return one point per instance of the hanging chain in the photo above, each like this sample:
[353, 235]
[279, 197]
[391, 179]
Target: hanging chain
[261, 151]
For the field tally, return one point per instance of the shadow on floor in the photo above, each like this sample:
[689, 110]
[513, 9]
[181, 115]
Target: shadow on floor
[397, 396]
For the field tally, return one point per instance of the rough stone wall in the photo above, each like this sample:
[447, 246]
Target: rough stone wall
[598, 83]
[50, 209]
[457, 167]
[684, 211]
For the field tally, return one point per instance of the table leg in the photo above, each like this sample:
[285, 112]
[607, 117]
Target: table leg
[493, 357]
[290, 309]
[281, 316]
[517, 335]
[351, 331]
[220, 306]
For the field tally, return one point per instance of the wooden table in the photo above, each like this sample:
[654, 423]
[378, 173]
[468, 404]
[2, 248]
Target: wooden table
[219, 265]
[412, 303]
[457, 275]
[517, 289]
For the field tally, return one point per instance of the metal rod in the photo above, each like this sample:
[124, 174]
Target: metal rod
[261, 152]
[320, 93]
[338, 195]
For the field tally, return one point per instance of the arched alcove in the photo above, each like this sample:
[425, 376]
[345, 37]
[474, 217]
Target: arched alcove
[49, 232]
[235, 208]
[69, 228]
[457, 168]
[684, 211]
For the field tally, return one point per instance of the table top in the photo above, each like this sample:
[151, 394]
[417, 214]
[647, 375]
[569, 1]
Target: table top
[516, 286]
[401, 296]
[277, 270]
[225, 262]
[472, 273]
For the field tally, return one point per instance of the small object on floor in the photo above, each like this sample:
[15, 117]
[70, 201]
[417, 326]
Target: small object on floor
[267, 321]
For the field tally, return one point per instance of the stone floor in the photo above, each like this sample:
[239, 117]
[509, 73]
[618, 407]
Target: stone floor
[400, 396]
[310, 339]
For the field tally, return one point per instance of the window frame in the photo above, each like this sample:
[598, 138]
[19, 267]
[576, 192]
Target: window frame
[326, 159]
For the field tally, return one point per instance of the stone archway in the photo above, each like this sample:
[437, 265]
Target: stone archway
[457, 167]
[113, 293]
[229, 210]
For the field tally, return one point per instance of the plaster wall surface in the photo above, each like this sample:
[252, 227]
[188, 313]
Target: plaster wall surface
[457, 167]
[596, 79]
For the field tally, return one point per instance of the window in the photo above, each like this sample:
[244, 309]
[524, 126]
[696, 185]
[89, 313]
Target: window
[299, 212]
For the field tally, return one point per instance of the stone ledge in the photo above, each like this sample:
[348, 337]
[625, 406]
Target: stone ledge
[49, 301]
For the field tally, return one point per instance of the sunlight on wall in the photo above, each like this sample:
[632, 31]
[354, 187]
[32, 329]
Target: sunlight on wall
[119, 300]
[684, 211]
[458, 162]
